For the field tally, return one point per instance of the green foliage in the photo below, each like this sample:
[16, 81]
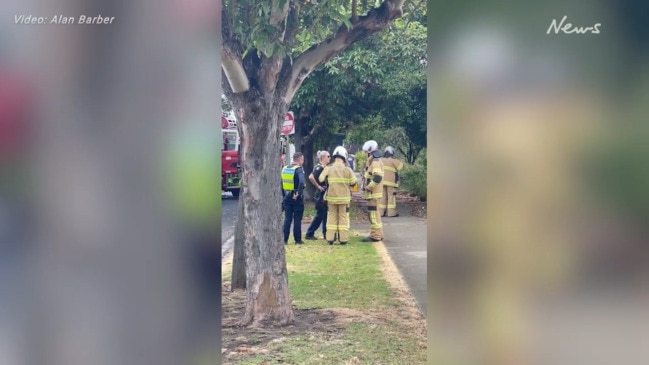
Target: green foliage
[404, 99]
[361, 159]
[375, 90]
[225, 105]
[253, 26]
[413, 178]
[369, 128]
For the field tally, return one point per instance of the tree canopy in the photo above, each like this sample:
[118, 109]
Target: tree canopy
[379, 84]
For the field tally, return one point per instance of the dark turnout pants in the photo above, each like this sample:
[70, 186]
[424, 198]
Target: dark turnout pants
[320, 217]
[293, 212]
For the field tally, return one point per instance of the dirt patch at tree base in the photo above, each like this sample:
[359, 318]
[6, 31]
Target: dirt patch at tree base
[253, 339]
[327, 323]
[315, 324]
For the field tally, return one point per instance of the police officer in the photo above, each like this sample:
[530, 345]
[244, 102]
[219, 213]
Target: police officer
[339, 178]
[293, 184]
[320, 204]
[391, 168]
[373, 189]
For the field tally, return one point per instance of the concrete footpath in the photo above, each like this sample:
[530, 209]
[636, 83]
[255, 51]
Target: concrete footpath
[404, 238]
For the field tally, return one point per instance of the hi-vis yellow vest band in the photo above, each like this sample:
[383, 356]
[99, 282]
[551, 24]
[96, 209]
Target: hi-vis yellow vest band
[288, 177]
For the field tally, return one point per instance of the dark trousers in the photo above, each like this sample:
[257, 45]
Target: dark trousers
[320, 217]
[293, 212]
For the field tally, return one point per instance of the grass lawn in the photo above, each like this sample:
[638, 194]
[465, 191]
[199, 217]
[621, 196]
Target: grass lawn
[346, 312]
[324, 276]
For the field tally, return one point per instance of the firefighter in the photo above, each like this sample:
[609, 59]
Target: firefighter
[293, 184]
[339, 178]
[373, 189]
[391, 168]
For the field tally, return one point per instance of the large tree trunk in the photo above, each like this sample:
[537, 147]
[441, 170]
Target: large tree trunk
[238, 280]
[267, 295]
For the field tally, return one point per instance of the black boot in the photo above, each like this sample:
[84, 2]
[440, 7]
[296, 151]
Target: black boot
[330, 242]
[370, 239]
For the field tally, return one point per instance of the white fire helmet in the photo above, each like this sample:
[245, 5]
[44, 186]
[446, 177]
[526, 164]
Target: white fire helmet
[340, 151]
[370, 146]
[389, 150]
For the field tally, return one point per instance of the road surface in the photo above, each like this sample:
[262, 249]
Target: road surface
[229, 209]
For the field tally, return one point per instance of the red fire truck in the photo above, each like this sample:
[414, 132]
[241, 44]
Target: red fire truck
[230, 166]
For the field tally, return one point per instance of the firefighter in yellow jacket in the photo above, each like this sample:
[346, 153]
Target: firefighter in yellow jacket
[373, 189]
[339, 178]
[391, 168]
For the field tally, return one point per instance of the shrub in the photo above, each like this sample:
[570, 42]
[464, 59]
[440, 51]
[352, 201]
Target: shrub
[361, 159]
[412, 179]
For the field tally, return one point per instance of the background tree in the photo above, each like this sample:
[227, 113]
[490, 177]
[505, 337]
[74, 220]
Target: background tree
[333, 99]
[269, 48]
[401, 101]
[359, 94]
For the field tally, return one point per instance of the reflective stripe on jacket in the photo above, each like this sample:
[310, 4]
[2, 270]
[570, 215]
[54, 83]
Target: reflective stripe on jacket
[373, 167]
[339, 178]
[391, 168]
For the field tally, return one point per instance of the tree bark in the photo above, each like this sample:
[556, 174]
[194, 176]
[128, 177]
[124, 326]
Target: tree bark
[267, 295]
[238, 280]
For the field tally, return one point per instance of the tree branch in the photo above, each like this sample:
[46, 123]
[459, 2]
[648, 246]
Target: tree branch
[292, 26]
[234, 72]
[311, 135]
[269, 72]
[376, 20]
[227, 89]
[231, 62]
[419, 4]
[277, 14]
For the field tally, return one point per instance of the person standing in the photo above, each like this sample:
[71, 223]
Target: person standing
[293, 184]
[339, 178]
[391, 168]
[351, 159]
[320, 203]
[373, 189]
